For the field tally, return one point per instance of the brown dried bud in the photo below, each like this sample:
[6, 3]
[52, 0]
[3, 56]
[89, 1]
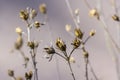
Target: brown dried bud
[10, 73]
[24, 15]
[42, 8]
[60, 44]
[31, 45]
[36, 24]
[50, 50]
[76, 43]
[85, 54]
[115, 18]
[33, 14]
[78, 33]
[94, 13]
[28, 75]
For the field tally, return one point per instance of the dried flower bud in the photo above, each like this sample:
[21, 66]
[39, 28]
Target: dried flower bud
[49, 50]
[85, 54]
[60, 44]
[42, 8]
[24, 15]
[29, 75]
[31, 45]
[92, 32]
[72, 59]
[76, 43]
[68, 27]
[36, 24]
[18, 31]
[19, 78]
[33, 14]
[115, 18]
[10, 73]
[94, 13]
[18, 43]
[77, 12]
[78, 33]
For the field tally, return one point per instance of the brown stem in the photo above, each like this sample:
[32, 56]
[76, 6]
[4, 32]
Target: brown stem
[86, 68]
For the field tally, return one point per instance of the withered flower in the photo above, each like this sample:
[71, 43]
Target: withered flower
[42, 8]
[24, 15]
[94, 13]
[19, 42]
[49, 50]
[92, 32]
[60, 44]
[76, 43]
[85, 54]
[10, 73]
[115, 18]
[28, 75]
[68, 27]
[78, 33]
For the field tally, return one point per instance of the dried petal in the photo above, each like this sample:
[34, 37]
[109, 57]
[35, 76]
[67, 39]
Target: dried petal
[18, 31]
[92, 32]
[78, 33]
[60, 44]
[10, 73]
[24, 15]
[49, 50]
[18, 43]
[76, 43]
[42, 8]
[115, 18]
[68, 27]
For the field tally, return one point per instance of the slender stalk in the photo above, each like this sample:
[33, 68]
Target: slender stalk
[61, 56]
[86, 68]
[28, 30]
[86, 39]
[69, 64]
[14, 78]
[34, 65]
[87, 4]
[72, 52]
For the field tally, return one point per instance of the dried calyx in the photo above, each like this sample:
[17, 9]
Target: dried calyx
[60, 44]
[78, 33]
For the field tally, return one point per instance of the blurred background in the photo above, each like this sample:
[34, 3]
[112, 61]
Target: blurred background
[58, 14]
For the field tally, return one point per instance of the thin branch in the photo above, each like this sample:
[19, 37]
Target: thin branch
[72, 52]
[60, 55]
[87, 4]
[86, 68]
[86, 39]
[71, 70]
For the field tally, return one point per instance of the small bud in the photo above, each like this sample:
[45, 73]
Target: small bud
[29, 75]
[77, 12]
[43, 9]
[18, 31]
[76, 43]
[36, 24]
[85, 54]
[49, 50]
[92, 32]
[24, 15]
[78, 33]
[33, 14]
[94, 13]
[60, 44]
[10, 73]
[18, 43]
[72, 59]
[115, 18]
[68, 27]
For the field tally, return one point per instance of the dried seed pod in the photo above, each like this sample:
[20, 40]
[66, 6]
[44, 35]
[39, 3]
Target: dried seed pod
[76, 43]
[24, 15]
[28, 75]
[42, 8]
[78, 33]
[92, 32]
[18, 31]
[77, 12]
[36, 24]
[72, 59]
[85, 54]
[49, 50]
[31, 45]
[115, 18]
[19, 42]
[10, 73]
[60, 44]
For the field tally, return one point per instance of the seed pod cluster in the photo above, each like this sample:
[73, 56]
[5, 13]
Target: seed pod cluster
[60, 44]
